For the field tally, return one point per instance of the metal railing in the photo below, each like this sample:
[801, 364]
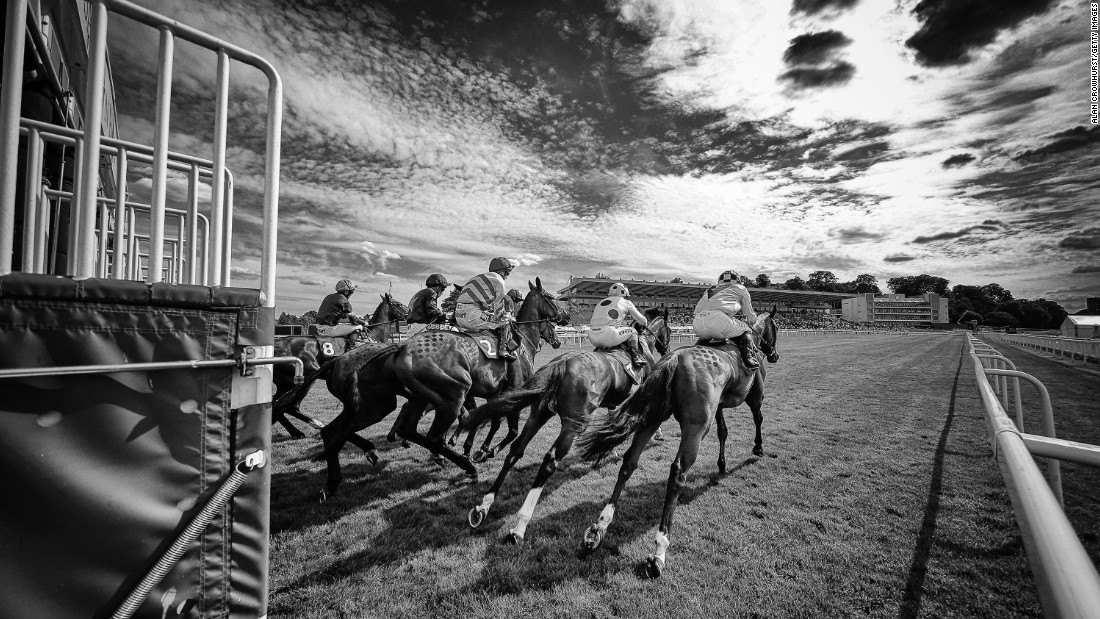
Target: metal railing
[87, 239]
[1087, 350]
[1065, 577]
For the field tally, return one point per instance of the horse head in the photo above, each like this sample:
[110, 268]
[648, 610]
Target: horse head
[392, 309]
[541, 308]
[770, 335]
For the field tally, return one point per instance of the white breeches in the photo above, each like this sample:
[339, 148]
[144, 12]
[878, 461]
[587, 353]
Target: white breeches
[717, 325]
[606, 337]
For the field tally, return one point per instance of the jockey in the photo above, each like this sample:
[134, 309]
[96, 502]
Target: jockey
[336, 307]
[611, 323]
[512, 301]
[424, 306]
[715, 316]
[481, 306]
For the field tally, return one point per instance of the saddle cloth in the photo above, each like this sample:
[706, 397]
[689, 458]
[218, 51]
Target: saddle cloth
[487, 342]
[622, 355]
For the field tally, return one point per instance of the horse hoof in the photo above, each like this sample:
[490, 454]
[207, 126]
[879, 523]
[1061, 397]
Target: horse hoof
[722, 467]
[513, 538]
[372, 458]
[476, 516]
[481, 456]
[392, 437]
[758, 451]
[593, 537]
[654, 565]
[406, 444]
[322, 496]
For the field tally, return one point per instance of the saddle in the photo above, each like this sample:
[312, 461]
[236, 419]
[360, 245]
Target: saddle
[487, 342]
[334, 341]
[622, 355]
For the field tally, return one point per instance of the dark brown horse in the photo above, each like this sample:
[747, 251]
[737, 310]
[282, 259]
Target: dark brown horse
[434, 368]
[288, 396]
[693, 384]
[571, 387]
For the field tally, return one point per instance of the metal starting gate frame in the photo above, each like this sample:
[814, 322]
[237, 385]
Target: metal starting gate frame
[134, 328]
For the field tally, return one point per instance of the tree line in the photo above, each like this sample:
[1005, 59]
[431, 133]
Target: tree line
[990, 304]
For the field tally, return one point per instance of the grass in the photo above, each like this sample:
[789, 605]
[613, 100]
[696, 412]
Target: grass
[877, 497]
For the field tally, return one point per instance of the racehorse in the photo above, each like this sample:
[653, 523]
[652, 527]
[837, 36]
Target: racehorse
[288, 397]
[437, 368]
[571, 386]
[693, 384]
[658, 326]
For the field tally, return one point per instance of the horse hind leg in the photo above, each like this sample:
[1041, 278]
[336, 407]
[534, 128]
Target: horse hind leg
[534, 423]
[595, 534]
[677, 477]
[723, 433]
[755, 400]
[550, 463]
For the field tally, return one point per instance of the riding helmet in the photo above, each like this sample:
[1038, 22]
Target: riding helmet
[500, 264]
[618, 290]
[728, 277]
[345, 284]
[435, 279]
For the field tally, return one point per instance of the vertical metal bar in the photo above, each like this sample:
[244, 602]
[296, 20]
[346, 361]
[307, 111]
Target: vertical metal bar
[85, 211]
[217, 193]
[227, 231]
[192, 223]
[11, 93]
[41, 246]
[120, 213]
[160, 154]
[181, 230]
[205, 271]
[271, 188]
[32, 191]
[77, 197]
[101, 264]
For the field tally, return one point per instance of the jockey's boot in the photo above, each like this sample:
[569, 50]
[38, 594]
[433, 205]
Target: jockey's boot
[508, 343]
[749, 351]
[635, 349]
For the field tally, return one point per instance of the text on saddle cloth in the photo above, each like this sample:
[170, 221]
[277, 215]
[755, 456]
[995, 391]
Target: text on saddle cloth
[487, 341]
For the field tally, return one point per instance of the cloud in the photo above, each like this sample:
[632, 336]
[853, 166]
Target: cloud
[242, 272]
[1090, 268]
[838, 73]
[943, 236]
[377, 257]
[815, 48]
[898, 258]
[952, 28]
[1071, 139]
[856, 235]
[813, 7]
[306, 281]
[1087, 239]
[957, 161]
[526, 260]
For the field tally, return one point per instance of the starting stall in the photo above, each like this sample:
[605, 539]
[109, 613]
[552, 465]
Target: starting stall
[135, 381]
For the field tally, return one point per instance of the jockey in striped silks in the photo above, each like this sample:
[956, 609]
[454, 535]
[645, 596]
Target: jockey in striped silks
[481, 306]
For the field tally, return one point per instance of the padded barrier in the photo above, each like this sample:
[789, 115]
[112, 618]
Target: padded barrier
[99, 473]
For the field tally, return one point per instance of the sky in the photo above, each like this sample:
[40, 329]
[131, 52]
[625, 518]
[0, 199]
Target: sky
[646, 139]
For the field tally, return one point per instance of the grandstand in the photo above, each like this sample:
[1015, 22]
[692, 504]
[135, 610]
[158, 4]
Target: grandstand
[582, 294]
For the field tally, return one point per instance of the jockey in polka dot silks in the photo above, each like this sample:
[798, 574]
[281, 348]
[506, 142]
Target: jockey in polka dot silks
[481, 306]
[612, 320]
[716, 316]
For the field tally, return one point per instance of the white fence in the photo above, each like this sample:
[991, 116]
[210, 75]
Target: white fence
[1065, 577]
[1088, 351]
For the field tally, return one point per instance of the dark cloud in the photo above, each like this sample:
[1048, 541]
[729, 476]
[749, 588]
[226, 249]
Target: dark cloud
[944, 236]
[993, 222]
[1090, 268]
[814, 48]
[855, 235]
[863, 152]
[952, 28]
[957, 161]
[898, 258]
[813, 7]
[1087, 239]
[834, 75]
[1068, 140]
[1022, 96]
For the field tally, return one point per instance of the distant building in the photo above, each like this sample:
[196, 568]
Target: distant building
[1081, 326]
[680, 297]
[895, 308]
[1092, 307]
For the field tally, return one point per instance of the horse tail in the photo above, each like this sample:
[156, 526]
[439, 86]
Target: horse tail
[651, 402]
[541, 387]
